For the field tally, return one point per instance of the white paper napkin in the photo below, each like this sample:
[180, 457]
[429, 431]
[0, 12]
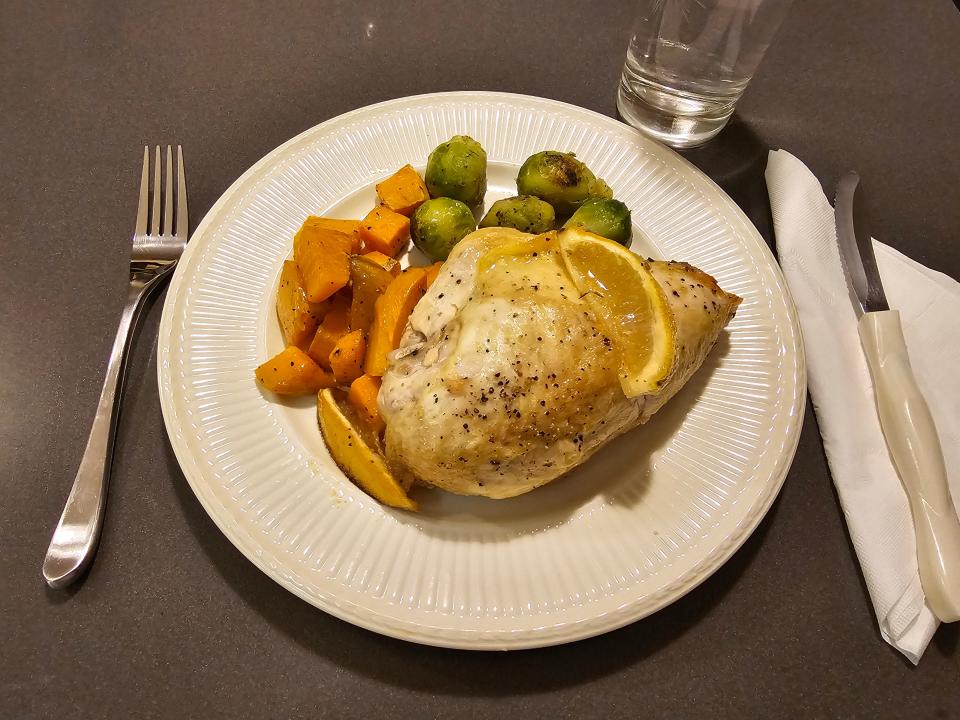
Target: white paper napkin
[873, 500]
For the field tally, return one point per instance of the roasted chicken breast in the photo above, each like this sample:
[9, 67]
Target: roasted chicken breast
[505, 381]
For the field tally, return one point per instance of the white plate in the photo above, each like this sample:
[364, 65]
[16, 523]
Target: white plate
[646, 520]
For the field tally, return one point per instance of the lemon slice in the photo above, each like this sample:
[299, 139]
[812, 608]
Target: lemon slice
[629, 303]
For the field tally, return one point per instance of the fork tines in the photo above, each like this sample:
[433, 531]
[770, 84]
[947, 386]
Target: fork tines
[152, 211]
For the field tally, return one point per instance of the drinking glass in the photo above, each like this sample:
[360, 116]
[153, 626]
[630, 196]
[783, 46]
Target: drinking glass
[689, 61]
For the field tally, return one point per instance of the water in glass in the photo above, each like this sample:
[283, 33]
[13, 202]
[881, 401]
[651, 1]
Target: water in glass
[689, 61]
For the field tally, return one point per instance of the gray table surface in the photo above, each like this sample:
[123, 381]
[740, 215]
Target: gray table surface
[172, 621]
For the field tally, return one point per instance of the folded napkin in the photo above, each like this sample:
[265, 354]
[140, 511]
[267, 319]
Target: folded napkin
[873, 500]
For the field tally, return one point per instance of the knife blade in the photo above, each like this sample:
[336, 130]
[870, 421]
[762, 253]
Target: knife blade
[856, 248]
[905, 418]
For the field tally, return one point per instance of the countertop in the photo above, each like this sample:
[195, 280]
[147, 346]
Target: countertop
[172, 621]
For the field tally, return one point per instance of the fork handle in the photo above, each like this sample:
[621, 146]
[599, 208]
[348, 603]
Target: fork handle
[74, 542]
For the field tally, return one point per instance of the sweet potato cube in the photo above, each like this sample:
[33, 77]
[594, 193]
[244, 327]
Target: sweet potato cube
[323, 260]
[390, 317]
[293, 372]
[298, 317]
[336, 324]
[363, 396]
[346, 358]
[347, 227]
[404, 191]
[369, 280]
[384, 261]
[385, 231]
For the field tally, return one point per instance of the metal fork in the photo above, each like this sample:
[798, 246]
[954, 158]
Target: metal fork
[152, 258]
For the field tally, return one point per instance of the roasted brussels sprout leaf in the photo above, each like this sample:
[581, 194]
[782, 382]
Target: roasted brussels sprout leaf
[457, 169]
[604, 217]
[525, 213]
[561, 180]
[439, 224]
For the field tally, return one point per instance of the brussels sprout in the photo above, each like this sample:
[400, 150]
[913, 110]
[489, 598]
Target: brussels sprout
[561, 180]
[525, 213]
[458, 169]
[439, 224]
[605, 217]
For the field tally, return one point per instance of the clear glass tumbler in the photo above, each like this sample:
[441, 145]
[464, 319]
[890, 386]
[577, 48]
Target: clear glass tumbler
[689, 61]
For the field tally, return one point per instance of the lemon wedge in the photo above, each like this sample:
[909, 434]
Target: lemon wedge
[353, 447]
[630, 305]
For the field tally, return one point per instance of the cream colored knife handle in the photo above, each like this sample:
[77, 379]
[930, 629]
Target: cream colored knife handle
[915, 448]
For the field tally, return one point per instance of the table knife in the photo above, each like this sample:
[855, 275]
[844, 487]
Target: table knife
[905, 418]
